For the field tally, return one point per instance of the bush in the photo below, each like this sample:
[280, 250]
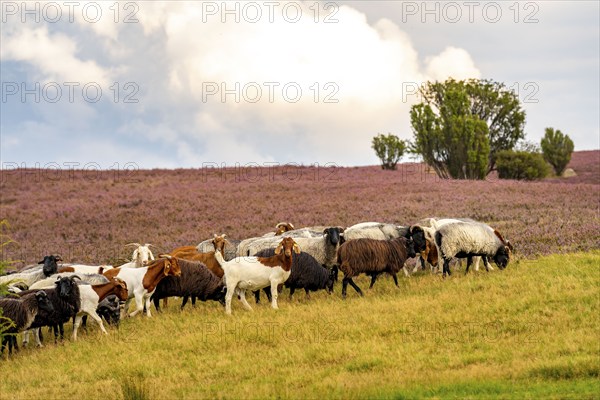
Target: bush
[389, 149]
[521, 165]
[557, 149]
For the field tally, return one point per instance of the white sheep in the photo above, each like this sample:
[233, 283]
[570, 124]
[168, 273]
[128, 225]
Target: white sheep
[429, 226]
[374, 230]
[469, 239]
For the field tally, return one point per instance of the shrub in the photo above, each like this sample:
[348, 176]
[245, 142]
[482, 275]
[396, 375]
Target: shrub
[389, 149]
[557, 149]
[521, 165]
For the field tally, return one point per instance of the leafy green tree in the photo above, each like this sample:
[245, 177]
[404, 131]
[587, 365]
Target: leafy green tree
[557, 149]
[389, 148]
[521, 165]
[459, 110]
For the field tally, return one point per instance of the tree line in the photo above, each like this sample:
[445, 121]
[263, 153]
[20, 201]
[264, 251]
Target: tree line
[469, 128]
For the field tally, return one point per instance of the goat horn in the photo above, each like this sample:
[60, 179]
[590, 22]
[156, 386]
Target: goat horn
[76, 276]
[132, 244]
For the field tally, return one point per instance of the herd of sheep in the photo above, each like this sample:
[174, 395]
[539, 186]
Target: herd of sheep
[52, 293]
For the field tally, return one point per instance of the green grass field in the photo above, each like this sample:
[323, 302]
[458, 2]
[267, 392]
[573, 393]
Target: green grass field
[531, 331]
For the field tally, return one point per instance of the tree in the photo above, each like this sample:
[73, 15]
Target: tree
[522, 165]
[476, 103]
[389, 149]
[557, 149]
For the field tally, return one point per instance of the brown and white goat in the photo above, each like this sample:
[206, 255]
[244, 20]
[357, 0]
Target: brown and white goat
[255, 273]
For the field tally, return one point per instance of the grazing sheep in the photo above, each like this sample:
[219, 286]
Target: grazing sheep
[108, 309]
[255, 273]
[21, 312]
[424, 230]
[469, 239]
[195, 280]
[306, 274]
[29, 276]
[373, 257]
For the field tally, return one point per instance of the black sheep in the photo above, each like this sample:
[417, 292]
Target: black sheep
[65, 301]
[306, 274]
[21, 312]
[196, 281]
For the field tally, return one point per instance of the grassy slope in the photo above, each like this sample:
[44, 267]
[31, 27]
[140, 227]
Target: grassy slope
[528, 332]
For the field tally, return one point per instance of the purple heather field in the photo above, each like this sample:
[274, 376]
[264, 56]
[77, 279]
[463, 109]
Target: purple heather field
[89, 216]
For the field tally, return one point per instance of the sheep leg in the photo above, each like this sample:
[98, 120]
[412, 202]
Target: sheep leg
[274, 295]
[83, 322]
[395, 279]
[307, 293]
[446, 269]
[184, 301]
[355, 286]
[157, 304]
[292, 290]
[345, 283]
[193, 301]
[486, 263]
[165, 302]
[268, 293]
[373, 279]
[244, 301]
[469, 262]
[256, 296]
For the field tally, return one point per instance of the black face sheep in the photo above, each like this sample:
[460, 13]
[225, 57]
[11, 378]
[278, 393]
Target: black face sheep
[110, 310]
[31, 275]
[306, 274]
[373, 257]
[469, 239]
[66, 302]
[196, 280]
[22, 312]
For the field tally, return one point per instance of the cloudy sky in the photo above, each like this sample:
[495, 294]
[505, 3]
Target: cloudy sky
[180, 84]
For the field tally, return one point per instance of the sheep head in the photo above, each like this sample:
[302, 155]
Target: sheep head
[50, 264]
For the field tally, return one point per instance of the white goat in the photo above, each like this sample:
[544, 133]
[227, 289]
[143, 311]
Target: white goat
[141, 255]
[255, 273]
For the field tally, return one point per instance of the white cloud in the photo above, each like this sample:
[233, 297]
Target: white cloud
[451, 63]
[178, 50]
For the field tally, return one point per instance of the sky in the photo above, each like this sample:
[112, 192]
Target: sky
[192, 84]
